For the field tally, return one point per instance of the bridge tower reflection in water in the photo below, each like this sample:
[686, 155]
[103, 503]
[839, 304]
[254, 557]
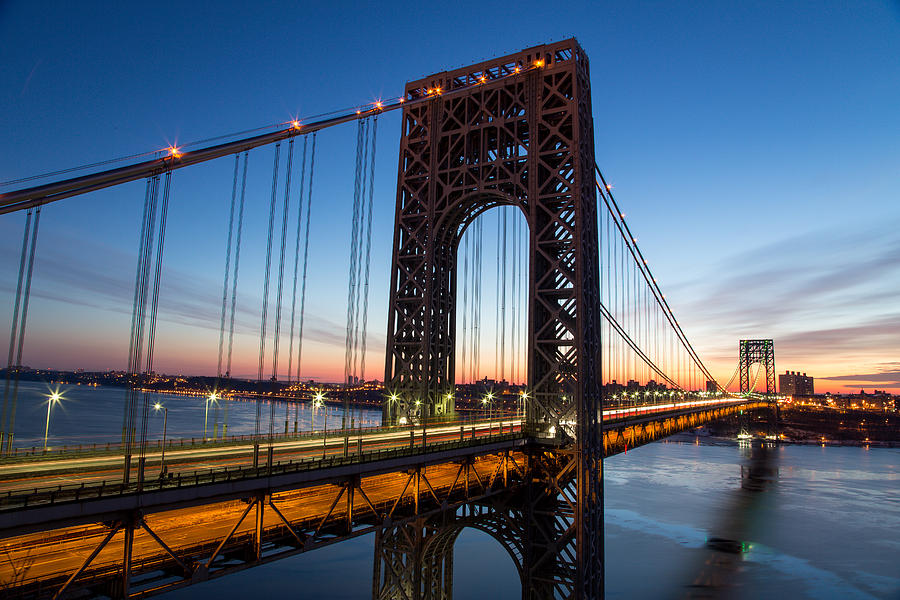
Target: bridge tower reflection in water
[522, 138]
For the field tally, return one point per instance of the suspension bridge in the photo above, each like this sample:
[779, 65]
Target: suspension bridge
[499, 400]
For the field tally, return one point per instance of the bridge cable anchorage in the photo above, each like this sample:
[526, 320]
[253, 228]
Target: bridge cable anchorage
[265, 301]
[154, 306]
[14, 327]
[234, 284]
[312, 164]
[296, 261]
[23, 320]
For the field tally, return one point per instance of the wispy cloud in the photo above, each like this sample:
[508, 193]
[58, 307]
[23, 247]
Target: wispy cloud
[823, 296]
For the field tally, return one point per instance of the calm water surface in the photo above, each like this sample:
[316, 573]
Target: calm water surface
[88, 415]
[828, 527]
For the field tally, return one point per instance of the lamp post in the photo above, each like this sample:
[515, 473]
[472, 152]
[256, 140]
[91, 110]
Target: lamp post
[319, 402]
[211, 398]
[523, 397]
[53, 398]
[393, 400]
[412, 426]
[162, 458]
[489, 400]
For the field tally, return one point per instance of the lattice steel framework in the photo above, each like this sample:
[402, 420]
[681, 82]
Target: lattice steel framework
[757, 351]
[513, 131]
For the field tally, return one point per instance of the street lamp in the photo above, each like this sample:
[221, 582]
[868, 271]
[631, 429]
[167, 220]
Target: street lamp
[213, 397]
[162, 458]
[523, 395]
[53, 398]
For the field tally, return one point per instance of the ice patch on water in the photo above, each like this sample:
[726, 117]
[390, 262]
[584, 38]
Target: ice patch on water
[819, 582]
[685, 535]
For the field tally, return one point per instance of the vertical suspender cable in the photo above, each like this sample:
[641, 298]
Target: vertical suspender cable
[312, 164]
[19, 340]
[368, 253]
[26, 295]
[237, 160]
[497, 302]
[513, 301]
[134, 369]
[351, 286]
[465, 243]
[359, 248]
[296, 261]
[154, 305]
[503, 288]
[278, 297]
[134, 306]
[234, 282]
[476, 299]
[225, 281]
[265, 302]
[14, 327]
[284, 224]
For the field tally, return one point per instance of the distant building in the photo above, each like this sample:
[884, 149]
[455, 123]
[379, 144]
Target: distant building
[795, 384]
[711, 387]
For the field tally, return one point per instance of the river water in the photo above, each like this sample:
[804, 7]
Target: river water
[825, 525]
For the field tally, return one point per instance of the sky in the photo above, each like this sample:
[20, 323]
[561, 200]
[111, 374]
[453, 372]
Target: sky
[755, 147]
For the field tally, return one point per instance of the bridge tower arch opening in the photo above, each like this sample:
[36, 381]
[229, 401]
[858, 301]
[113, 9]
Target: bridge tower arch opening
[415, 559]
[491, 299]
[519, 130]
[760, 352]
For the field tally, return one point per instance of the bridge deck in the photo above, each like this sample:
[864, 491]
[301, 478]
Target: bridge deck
[185, 530]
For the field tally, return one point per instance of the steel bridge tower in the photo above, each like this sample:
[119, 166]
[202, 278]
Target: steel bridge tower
[513, 131]
[757, 351]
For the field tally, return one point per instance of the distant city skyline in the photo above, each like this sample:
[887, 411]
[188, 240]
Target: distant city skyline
[753, 148]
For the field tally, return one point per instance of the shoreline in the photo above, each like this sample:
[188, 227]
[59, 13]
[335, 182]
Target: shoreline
[709, 439]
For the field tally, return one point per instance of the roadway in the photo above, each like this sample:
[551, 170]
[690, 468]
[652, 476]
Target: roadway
[106, 467]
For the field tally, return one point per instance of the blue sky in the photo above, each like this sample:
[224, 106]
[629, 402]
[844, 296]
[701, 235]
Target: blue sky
[754, 146]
